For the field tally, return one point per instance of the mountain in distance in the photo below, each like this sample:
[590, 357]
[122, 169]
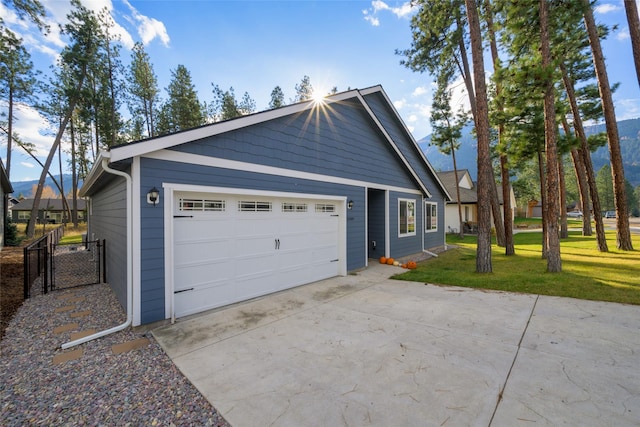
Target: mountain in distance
[23, 188]
[466, 155]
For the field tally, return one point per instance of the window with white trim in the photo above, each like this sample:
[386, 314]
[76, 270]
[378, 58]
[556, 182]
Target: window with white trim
[430, 217]
[406, 217]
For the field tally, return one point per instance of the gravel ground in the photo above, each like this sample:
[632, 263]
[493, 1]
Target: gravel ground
[138, 387]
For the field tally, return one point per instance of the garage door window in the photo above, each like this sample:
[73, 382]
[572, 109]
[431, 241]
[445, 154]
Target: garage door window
[254, 206]
[323, 207]
[294, 207]
[205, 205]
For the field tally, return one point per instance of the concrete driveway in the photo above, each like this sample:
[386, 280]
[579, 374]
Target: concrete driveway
[364, 350]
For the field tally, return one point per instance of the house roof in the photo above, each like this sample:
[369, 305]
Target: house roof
[125, 152]
[49, 204]
[467, 195]
[4, 180]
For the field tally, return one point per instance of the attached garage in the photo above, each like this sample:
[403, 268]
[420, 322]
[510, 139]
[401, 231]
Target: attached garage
[261, 203]
[230, 247]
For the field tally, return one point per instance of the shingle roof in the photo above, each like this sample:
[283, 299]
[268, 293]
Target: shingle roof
[467, 195]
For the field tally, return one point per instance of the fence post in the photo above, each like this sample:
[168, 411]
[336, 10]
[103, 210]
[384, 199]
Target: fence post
[104, 261]
[25, 272]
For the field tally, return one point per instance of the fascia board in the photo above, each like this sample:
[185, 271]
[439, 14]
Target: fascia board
[95, 173]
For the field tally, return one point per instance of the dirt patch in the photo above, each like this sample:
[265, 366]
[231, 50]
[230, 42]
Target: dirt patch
[11, 284]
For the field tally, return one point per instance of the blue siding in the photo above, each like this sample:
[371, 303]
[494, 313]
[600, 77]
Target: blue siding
[389, 121]
[376, 223]
[339, 140]
[108, 220]
[408, 245]
[156, 172]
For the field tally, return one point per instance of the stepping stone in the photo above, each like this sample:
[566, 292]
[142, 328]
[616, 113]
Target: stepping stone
[76, 299]
[77, 335]
[65, 328]
[67, 356]
[65, 308]
[80, 314]
[129, 345]
[67, 296]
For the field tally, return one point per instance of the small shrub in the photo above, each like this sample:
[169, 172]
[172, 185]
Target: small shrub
[11, 234]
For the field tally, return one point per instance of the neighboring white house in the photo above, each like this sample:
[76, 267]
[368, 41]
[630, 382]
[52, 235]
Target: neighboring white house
[469, 201]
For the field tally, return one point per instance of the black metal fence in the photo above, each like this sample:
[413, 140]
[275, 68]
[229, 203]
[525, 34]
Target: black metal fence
[36, 261]
[77, 264]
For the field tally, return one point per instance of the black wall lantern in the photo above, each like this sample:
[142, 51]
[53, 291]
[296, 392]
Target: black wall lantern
[153, 196]
[350, 204]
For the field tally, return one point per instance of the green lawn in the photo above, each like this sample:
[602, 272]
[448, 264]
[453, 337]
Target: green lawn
[586, 273]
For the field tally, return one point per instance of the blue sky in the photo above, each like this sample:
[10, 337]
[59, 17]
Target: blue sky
[254, 46]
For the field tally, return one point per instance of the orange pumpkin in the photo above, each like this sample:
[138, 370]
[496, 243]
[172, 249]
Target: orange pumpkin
[411, 265]
[383, 260]
[390, 261]
[404, 265]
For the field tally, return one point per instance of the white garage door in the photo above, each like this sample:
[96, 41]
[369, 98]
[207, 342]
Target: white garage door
[229, 248]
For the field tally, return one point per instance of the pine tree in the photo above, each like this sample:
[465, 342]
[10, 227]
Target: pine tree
[17, 80]
[277, 98]
[143, 90]
[182, 110]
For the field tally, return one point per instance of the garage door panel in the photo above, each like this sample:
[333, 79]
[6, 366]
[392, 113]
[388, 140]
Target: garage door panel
[200, 250]
[234, 254]
[203, 273]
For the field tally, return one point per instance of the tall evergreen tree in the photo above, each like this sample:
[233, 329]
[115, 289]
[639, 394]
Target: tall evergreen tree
[631, 9]
[277, 98]
[143, 89]
[447, 130]
[76, 57]
[182, 110]
[304, 90]
[623, 234]
[485, 172]
[17, 80]
[554, 262]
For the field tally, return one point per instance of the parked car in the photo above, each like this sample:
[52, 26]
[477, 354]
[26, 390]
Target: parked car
[574, 214]
[610, 214]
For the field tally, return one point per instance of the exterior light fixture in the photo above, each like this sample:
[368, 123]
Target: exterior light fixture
[153, 196]
[350, 204]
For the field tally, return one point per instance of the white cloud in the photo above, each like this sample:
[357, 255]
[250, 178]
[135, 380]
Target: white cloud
[400, 104]
[149, 28]
[377, 6]
[32, 128]
[419, 91]
[607, 8]
[28, 165]
[623, 34]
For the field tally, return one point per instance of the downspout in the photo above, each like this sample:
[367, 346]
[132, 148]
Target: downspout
[127, 323]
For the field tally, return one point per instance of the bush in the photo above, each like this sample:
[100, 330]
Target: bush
[11, 233]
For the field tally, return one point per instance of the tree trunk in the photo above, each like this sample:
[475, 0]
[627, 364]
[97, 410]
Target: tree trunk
[631, 7]
[504, 168]
[581, 177]
[52, 152]
[9, 135]
[586, 161]
[564, 231]
[455, 173]
[485, 174]
[74, 178]
[623, 234]
[543, 202]
[497, 213]
[554, 263]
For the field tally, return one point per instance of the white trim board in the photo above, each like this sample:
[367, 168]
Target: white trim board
[198, 159]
